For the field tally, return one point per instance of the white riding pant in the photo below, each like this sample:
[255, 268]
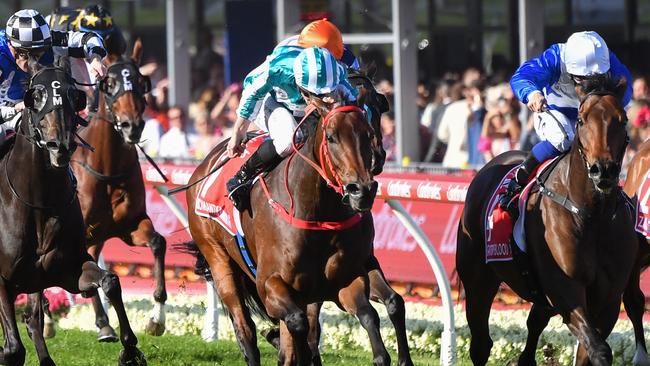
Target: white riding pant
[556, 128]
[79, 69]
[9, 126]
[280, 123]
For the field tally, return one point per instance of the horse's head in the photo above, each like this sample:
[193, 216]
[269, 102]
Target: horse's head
[378, 104]
[124, 88]
[343, 145]
[601, 136]
[50, 116]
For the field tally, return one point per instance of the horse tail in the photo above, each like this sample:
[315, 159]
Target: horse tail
[249, 290]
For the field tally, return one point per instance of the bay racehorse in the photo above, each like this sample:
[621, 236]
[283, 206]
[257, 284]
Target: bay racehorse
[580, 257]
[111, 189]
[331, 184]
[42, 242]
[633, 298]
[380, 291]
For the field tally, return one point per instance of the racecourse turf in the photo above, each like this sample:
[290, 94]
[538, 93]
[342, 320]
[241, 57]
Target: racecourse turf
[73, 347]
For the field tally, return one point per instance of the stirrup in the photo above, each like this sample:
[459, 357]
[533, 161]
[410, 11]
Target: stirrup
[240, 196]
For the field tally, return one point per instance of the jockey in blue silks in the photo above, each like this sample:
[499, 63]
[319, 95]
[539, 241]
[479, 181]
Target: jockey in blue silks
[28, 37]
[549, 81]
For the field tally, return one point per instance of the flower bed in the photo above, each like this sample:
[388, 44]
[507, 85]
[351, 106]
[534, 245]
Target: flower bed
[424, 325]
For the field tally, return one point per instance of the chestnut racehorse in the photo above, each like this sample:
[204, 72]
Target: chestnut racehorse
[298, 266]
[581, 245]
[111, 189]
[634, 299]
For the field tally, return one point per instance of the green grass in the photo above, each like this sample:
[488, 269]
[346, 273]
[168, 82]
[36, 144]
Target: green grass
[73, 347]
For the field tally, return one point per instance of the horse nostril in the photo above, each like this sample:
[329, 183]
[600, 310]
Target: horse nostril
[353, 189]
[596, 170]
[52, 145]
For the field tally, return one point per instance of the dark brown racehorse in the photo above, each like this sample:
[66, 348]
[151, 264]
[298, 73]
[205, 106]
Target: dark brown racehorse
[111, 190]
[380, 290]
[581, 258]
[297, 267]
[634, 299]
[42, 242]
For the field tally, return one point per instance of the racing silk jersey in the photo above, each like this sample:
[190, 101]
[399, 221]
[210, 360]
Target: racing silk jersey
[547, 73]
[275, 76]
[13, 79]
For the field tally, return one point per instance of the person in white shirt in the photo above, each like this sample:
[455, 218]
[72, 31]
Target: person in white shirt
[176, 142]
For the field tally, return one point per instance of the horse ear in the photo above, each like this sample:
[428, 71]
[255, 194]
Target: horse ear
[64, 63]
[361, 98]
[371, 70]
[137, 51]
[621, 88]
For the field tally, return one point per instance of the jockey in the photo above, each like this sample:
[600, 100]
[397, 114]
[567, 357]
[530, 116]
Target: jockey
[96, 19]
[28, 37]
[273, 97]
[549, 81]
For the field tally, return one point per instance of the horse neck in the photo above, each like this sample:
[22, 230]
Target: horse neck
[30, 174]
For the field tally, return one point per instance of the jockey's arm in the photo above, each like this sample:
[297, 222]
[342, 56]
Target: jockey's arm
[537, 73]
[86, 45]
[235, 146]
[618, 71]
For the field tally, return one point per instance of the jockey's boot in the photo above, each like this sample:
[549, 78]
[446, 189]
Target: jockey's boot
[518, 182]
[262, 160]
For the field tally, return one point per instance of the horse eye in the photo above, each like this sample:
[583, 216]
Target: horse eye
[330, 139]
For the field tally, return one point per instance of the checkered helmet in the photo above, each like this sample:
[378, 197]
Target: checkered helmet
[28, 29]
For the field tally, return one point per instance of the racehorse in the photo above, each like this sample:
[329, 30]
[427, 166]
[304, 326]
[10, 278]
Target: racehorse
[42, 243]
[297, 266]
[633, 298]
[580, 243]
[380, 290]
[111, 189]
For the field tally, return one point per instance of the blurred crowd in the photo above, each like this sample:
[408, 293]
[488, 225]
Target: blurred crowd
[465, 119]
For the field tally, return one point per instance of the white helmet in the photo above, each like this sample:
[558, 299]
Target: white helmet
[28, 29]
[316, 70]
[586, 54]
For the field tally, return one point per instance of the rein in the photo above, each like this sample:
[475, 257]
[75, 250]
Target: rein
[289, 215]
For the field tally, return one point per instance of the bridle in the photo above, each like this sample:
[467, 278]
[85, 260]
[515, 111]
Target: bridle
[125, 78]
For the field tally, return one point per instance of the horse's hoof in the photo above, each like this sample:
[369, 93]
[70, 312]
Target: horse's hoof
[47, 362]
[131, 357]
[49, 329]
[405, 363]
[155, 329]
[107, 334]
[272, 336]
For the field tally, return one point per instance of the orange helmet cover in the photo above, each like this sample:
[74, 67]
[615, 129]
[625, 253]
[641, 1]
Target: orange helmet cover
[322, 33]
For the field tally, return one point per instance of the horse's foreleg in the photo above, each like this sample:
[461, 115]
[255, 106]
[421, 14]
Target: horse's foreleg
[599, 352]
[14, 351]
[537, 320]
[34, 319]
[313, 337]
[294, 348]
[93, 277]
[381, 291]
[634, 301]
[146, 235]
[105, 333]
[354, 300]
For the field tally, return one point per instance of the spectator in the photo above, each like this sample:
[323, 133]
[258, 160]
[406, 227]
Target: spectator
[205, 140]
[475, 100]
[204, 104]
[176, 142]
[224, 112]
[636, 112]
[150, 138]
[388, 133]
[447, 92]
[501, 127]
[458, 117]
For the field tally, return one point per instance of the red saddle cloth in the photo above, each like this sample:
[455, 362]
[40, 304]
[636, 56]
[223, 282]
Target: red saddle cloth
[498, 223]
[642, 209]
[212, 200]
